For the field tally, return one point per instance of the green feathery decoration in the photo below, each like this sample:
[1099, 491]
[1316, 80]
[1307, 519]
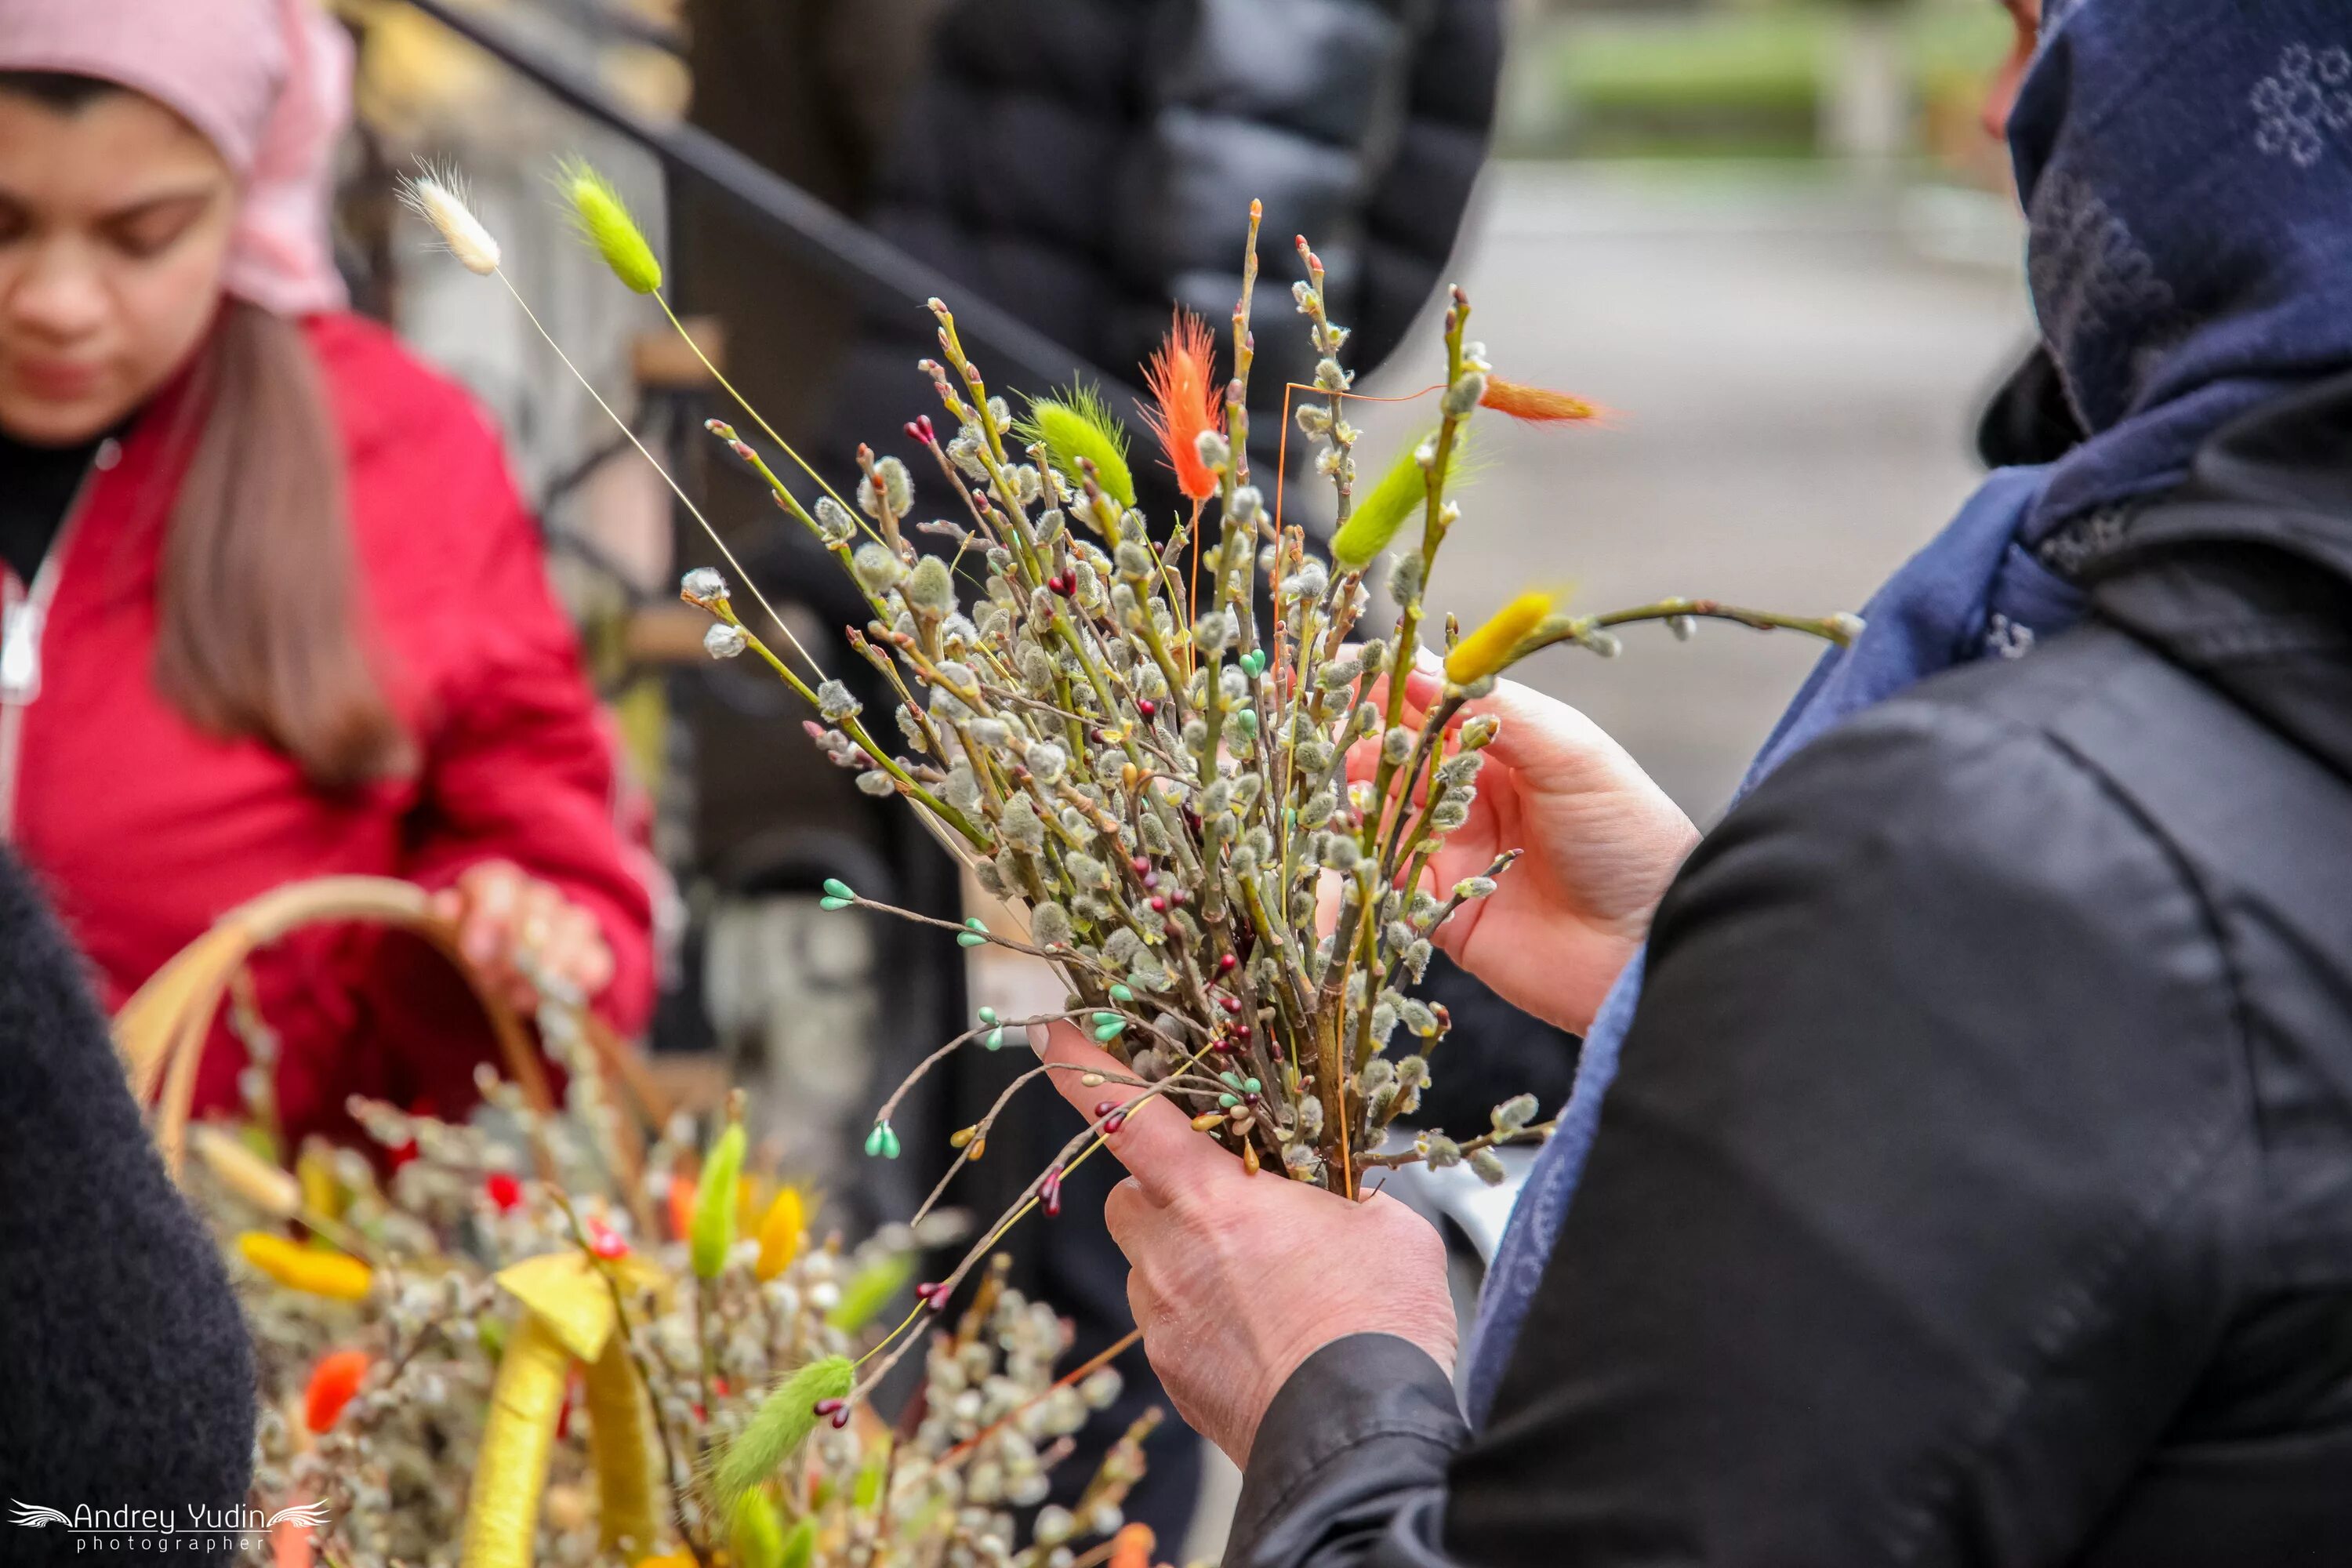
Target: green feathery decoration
[713, 1234]
[1076, 425]
[604, 218]
[759, 1534]
[800, 1546]
[776, 1430]
[1402, 492]
[870, 1290]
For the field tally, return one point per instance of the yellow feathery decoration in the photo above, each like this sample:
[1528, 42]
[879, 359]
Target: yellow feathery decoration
[604, 218]
[252, 1178]
[321, 1193]
[309, 1269]
[510, 1466]
[1487, 650]
[779, 1234]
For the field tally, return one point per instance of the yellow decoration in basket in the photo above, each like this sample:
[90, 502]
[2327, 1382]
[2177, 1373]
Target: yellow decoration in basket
[312, 1271]
[569, 1316]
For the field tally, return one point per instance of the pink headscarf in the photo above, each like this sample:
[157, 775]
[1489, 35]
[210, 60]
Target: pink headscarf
[267, 81]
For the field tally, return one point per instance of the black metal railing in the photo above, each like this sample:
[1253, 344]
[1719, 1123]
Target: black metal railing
[816, 234]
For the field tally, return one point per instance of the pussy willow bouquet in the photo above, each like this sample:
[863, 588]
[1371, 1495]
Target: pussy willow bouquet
[508, 1350]
[1168, 744]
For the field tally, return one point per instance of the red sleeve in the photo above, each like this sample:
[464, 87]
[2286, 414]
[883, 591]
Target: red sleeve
[518, 764]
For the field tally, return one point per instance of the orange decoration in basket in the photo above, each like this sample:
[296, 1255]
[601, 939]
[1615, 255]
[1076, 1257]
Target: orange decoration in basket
[333, 1382]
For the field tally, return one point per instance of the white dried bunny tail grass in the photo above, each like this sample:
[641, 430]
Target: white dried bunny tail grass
[438, 196]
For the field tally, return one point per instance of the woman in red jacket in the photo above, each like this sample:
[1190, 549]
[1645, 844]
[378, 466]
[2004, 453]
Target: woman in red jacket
[272, 608]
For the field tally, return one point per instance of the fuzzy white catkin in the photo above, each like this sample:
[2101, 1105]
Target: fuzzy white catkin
[438, 202]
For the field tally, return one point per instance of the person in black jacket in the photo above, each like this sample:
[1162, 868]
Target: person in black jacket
[1088, 165]
[1976, 1185]
[126, 1376]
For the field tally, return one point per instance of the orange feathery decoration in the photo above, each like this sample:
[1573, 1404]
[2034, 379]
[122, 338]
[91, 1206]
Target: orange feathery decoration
[1536, 404]
[1131, 1547]
[1183, 376]
[333, 1381]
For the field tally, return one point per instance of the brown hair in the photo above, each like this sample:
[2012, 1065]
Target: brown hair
[259, 627]
[259, 624]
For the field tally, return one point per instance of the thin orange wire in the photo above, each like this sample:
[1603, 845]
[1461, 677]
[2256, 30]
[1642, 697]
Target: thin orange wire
[1282, 448]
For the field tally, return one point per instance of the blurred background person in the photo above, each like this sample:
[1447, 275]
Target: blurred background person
[273, 610]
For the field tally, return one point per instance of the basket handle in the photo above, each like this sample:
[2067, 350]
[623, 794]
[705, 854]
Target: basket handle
[161, 1031]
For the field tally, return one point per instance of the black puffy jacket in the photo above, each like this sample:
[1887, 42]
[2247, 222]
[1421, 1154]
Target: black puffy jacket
[1978, 1186]
[1085, 163]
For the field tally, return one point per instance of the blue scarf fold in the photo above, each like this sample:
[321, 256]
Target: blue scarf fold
[2186, 167]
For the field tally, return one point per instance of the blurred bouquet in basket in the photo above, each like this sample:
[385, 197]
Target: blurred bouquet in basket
[492, 1347]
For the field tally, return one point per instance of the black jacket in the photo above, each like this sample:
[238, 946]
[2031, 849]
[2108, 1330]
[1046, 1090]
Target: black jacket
[1978, 1188]
[126, 1378]
[1085, 163]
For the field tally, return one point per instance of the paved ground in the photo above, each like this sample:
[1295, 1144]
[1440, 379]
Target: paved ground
[1795, 377]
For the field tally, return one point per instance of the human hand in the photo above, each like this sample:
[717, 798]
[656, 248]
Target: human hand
[1236, 1278]
[505, 917]
[1601, 839]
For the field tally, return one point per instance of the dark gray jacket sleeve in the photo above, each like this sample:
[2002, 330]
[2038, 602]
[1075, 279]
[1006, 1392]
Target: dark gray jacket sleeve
[1916, 1205]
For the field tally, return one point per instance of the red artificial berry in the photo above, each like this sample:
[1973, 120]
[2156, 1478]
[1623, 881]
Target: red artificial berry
[504, 1191]
[1222, 1044]
[1179, 896]
[1066, 585]
[1226, 962]
[1145, 706]
[1151, 878]
[718, 1386]
[923, 423]
[401, 1155]
[841, 1417]
[830, 1406]
[1241, 1031]
[604, 1241]
[1117, 1120]
[1159, 904]
[1142, 864]
[1232, 1003]
[699, 1413]
[1104, 1107]
[1049, 1192]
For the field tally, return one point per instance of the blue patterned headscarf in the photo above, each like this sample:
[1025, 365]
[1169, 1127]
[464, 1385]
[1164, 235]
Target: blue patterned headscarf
[2186, 167]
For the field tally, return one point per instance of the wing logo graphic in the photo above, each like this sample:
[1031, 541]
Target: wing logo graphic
[36, 1516]
[311, 1513]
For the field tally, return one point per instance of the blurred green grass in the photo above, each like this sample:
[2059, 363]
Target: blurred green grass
[1747, 81]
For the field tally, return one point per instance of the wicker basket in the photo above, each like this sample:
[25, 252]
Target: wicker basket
[161, 1031]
